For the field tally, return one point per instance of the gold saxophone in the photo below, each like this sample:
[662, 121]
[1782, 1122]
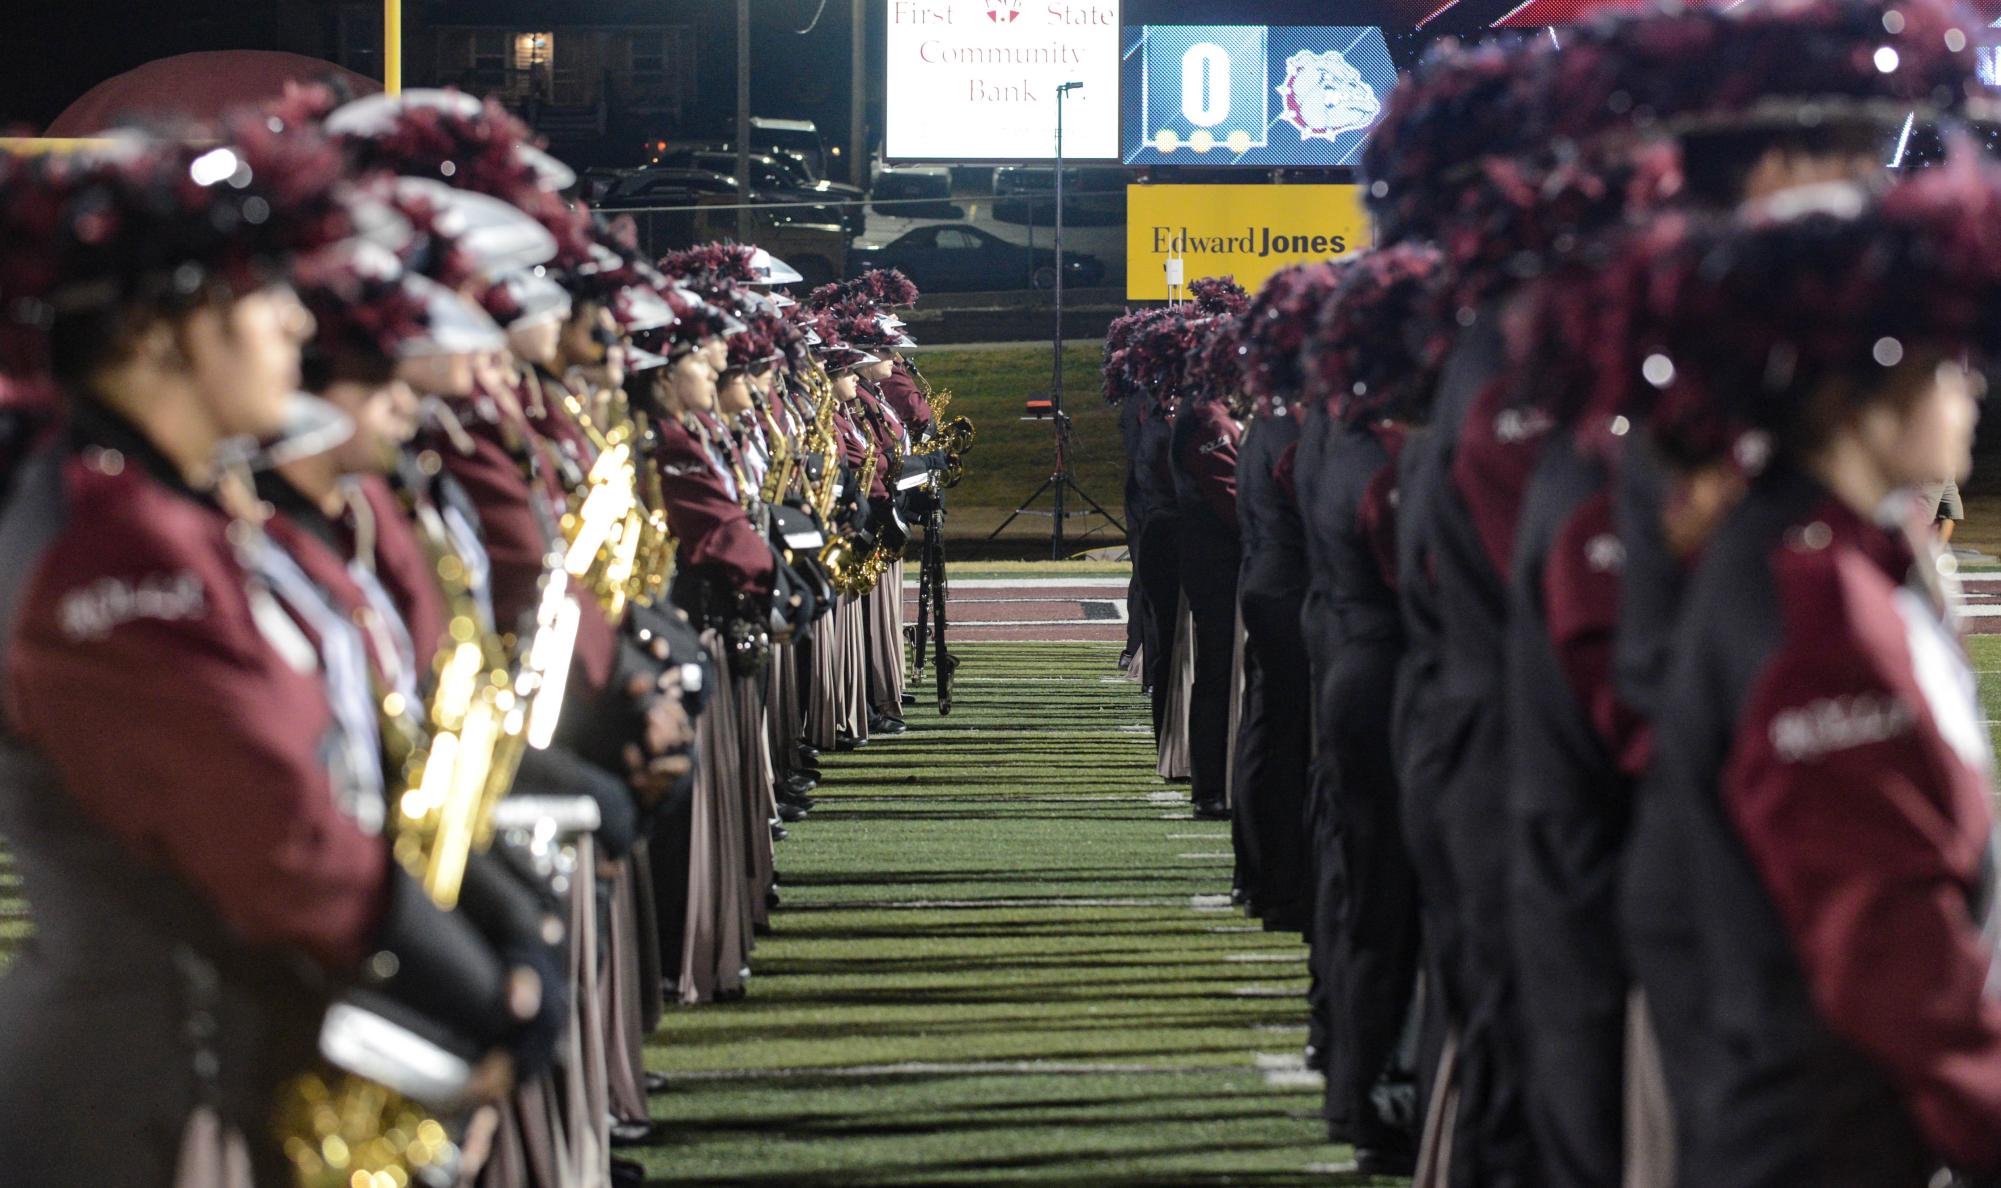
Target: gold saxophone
[655, 570]
[448, 767]
[778, 466]
[956, 436]
[605, 526]
[838, 556]
[848, 568]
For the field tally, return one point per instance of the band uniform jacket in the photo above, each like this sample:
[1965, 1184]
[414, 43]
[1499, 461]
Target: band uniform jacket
[715, 535]
[170, 803]
[1823, 754]
[1575, 748]
[899, 390]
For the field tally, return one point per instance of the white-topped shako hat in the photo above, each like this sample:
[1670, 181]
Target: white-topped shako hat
[834, 349]
[366, 306]
[696, 323]
[526, 298]
[461, 142]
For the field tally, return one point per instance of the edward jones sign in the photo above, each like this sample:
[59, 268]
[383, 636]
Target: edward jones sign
[975, 80]
[1248, 231]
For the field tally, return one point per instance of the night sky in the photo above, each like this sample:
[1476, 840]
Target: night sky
[60, 48]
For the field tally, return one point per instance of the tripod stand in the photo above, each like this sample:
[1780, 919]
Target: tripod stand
[1058, 482]
[1059, 479]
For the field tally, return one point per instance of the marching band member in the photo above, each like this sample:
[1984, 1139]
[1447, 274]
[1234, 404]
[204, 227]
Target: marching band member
[1204, 461]
[1274, 746]
[1157, 341]
[1818, 743]
[249, 883]
[1369, 370]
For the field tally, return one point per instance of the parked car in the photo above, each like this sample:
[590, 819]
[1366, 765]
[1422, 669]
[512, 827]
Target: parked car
[961, 258]
[677, 207]
[668, 185]
[915, 192]
[798, 137]
[783, 177]
[1093, 196]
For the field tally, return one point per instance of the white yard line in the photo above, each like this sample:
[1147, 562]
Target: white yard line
[1079, 583]
[930, 1068]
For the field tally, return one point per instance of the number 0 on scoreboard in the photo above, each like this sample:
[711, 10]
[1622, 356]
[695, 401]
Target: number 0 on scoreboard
[1251, 94]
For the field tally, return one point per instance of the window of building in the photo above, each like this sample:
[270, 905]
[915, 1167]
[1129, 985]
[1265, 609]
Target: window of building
[534, 51]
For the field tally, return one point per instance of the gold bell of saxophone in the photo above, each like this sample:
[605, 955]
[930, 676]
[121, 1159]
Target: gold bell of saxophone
[957, 438]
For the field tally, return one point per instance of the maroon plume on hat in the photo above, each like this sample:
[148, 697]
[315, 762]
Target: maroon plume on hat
[1374, 350]
[1214, 295]
[1750, 318]
[161, 224]
[1118, 338]
[1156, 362]
[1277, 324]
[709, 263]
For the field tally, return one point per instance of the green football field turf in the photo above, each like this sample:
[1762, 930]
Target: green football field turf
[1005, 955]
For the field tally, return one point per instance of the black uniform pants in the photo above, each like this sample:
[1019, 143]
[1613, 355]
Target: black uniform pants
[1492, 1146]
[1327, 876]
[1374, 936]
[1274, 750]
[1158, 570]
[1137, 627]
[1209, 578]
[1572, 969]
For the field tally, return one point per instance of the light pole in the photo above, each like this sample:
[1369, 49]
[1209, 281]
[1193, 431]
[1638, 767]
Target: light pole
[1056, 380]
[1059, 480]
[392, 46]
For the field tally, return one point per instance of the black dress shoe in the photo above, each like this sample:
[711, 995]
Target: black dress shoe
[886, 725]
[778, 832]
[790, 813]
[809, 774]
[631, 1134]
[627, 1173]
[1211, 810]
[656, 1082]
[771, 900]
[1393, 1159]
[798, 800]
[807, 755]
[909, 698]
[798, 784]
[848, 742]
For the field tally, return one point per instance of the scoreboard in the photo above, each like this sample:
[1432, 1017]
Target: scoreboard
[1260, 95]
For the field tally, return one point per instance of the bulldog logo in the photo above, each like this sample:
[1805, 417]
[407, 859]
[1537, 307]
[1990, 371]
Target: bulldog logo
[1325, 96]
[1002, 12]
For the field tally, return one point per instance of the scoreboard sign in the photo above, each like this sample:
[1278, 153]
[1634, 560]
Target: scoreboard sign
[1251, 94]
[975, 80]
